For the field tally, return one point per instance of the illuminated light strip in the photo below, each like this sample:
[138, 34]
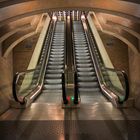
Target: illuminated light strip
[97, 21]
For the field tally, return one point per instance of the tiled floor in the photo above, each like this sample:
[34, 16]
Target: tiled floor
[101, 121]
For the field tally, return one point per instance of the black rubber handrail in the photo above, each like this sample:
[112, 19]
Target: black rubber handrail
[75, 88]
[126, 81]
[64, 96]
[64, 91]
[15, 79]
[76, 93]
[127, 86]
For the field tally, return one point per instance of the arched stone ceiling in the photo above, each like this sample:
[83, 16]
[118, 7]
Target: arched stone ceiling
[109, 24]
[134, 1]
[11, 10]
[15, 8]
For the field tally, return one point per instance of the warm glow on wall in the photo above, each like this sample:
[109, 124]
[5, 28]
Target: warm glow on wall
[54, 17]
[82, 17]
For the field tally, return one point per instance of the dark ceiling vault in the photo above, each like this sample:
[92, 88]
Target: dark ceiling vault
[128, 10]
[134, 1]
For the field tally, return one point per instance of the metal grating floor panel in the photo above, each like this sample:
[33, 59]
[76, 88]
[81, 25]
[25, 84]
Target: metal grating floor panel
[99, 121]
[53, 111]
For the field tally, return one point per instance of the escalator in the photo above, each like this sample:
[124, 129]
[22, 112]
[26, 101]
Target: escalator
[77, 69]
[88, 86]
[44, 83]
[95, 81]
[53, 75]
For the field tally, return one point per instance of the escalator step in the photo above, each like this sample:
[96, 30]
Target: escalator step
[52, 81]
[57, 47]
[86, 73]
[59, 34]
[58, 40]
[79, 42]
[81, 48]
[82, 39]
[79, 37]
[88, 84]
[59, 75]
[52, 91]
[55, 66]
[81, 51]
[52, 86]
[56, 62]
[82, 54]
[83, 61]
[54, 71]
[79, 34]
[58, 55]
[56, 59]
[57, 50]
[86, 79]
[84, 65]
[57, 44]
[87, 69]
[83, 90]
[83, 57]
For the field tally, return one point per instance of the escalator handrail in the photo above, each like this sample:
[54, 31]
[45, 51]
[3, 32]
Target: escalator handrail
[127, 85]
[15, 80]
[64, 96]
[74, 59]
[76, 93]
[65, 51]
[100, 76]
[125, 77]
[38, 87]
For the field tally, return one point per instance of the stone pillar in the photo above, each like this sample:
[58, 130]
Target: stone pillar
[134, 75]
[6, 77]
